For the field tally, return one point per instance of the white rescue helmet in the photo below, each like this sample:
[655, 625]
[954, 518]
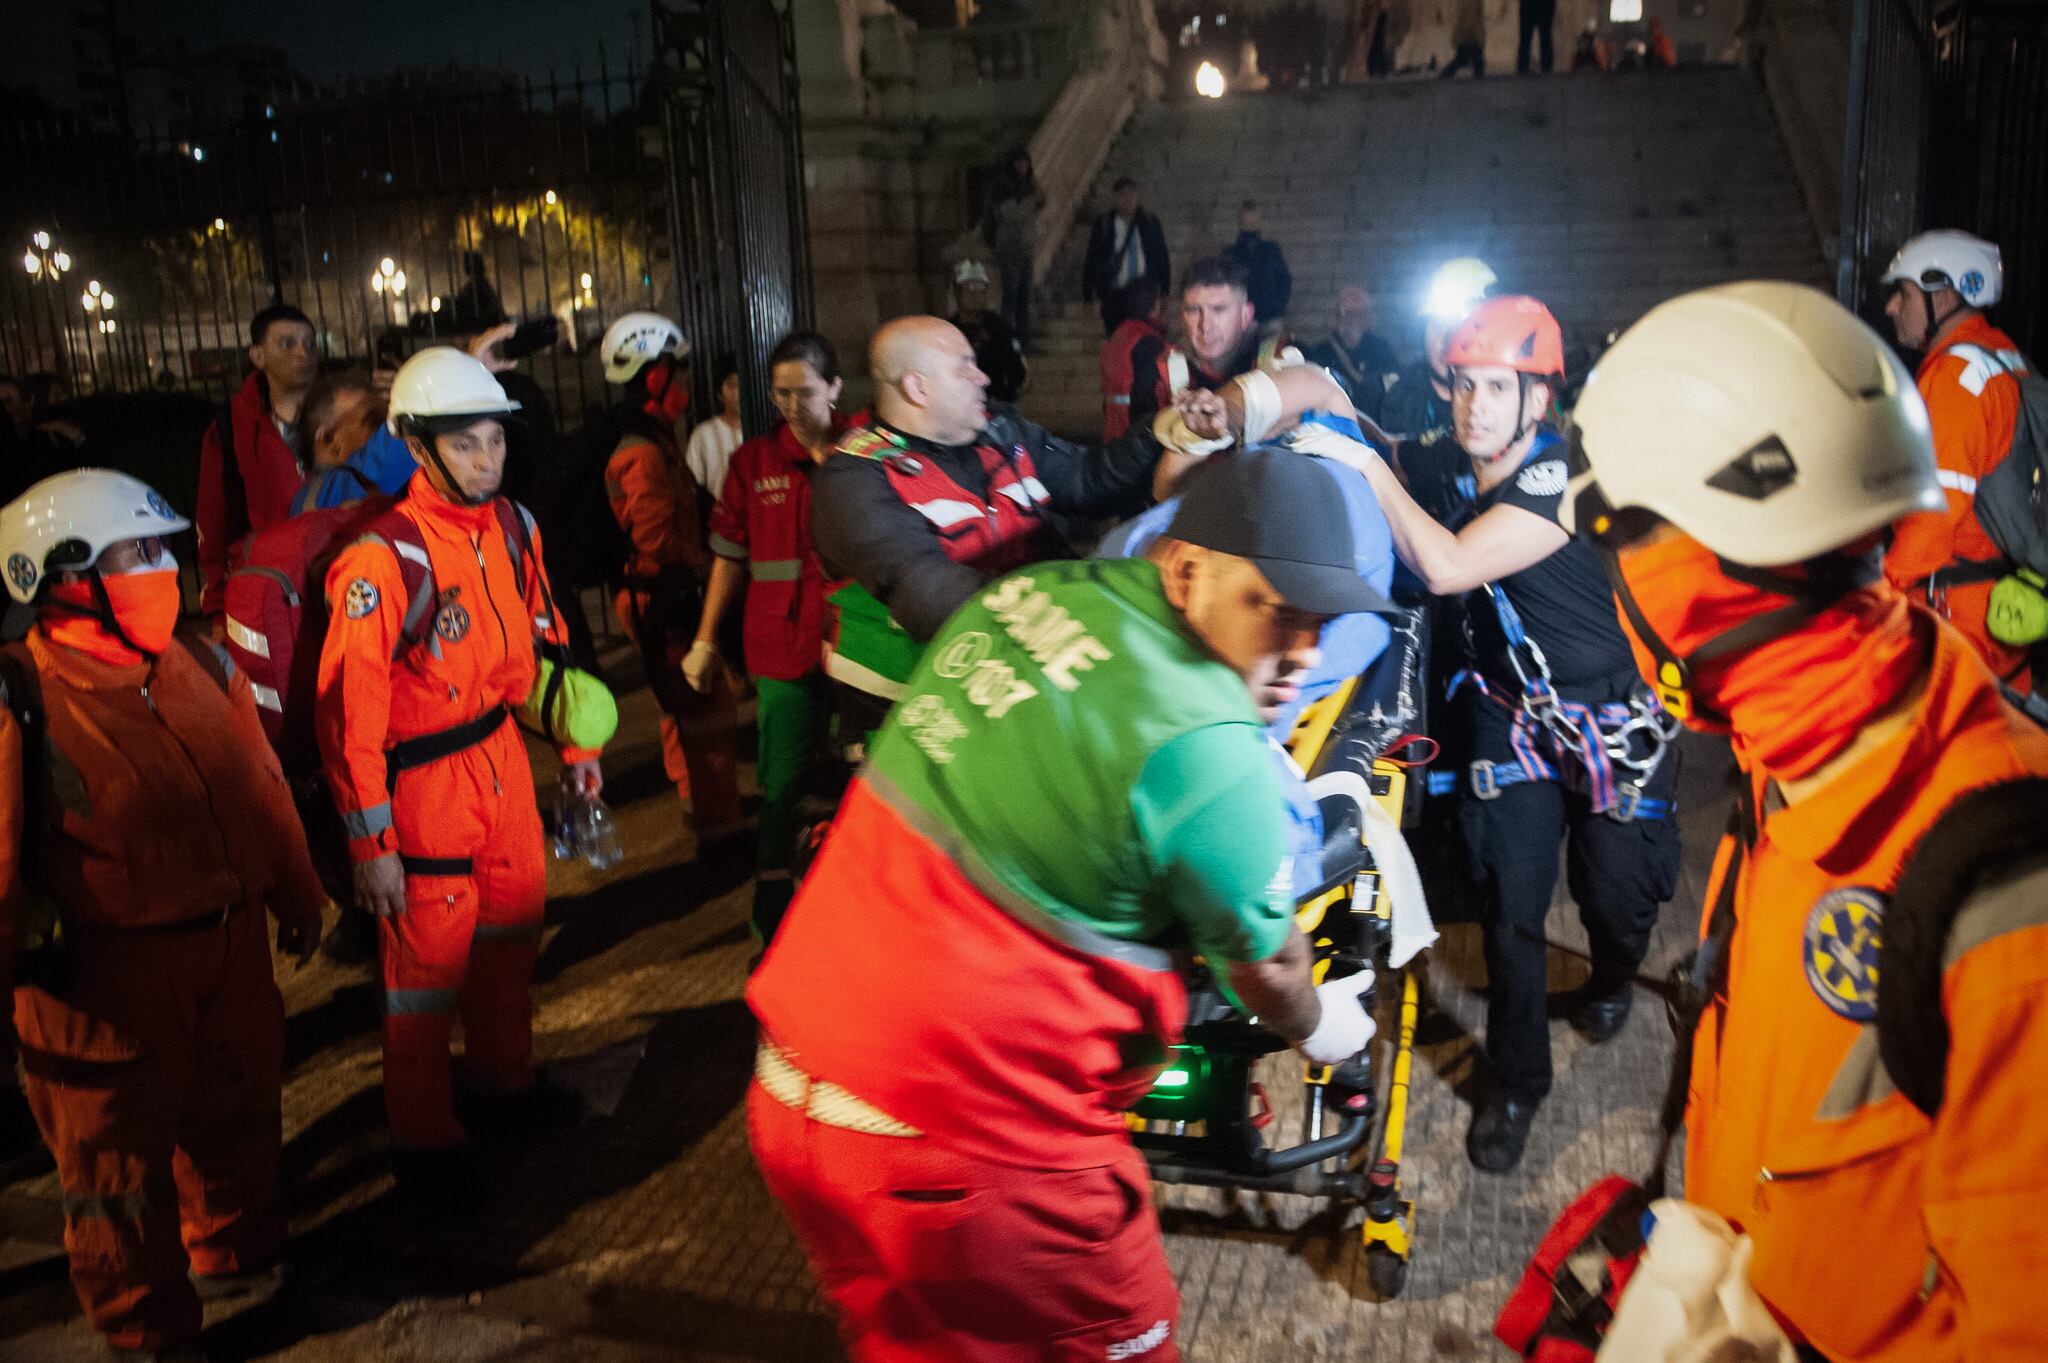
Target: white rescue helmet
[1951, 260]
[637, 340]
[970, 272]
[1456, 288]
[1763, 419]
[445, 388]
[65, 522]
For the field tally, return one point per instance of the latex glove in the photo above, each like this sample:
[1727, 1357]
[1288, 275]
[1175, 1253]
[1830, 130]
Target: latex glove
[1321, 440]
[700, 666]
[1173, 429]
[1345, 1026]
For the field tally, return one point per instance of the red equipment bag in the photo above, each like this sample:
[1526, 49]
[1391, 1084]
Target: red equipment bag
[1566, 1298]
[277, 616]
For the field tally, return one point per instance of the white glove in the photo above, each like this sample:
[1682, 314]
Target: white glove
[1315, 438]
[1345, 1026]
[700, 665]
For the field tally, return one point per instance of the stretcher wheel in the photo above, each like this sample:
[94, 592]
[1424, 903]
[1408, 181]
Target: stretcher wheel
[1386, 1271]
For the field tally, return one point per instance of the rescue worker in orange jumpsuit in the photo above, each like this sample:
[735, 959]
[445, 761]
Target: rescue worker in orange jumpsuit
[145, 829]
[435, 615]
[1940, 284]
[1741, 451]
[654, 500]
[1134, 349]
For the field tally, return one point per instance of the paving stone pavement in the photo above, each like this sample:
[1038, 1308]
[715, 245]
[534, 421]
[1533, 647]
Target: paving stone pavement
[643, 1233]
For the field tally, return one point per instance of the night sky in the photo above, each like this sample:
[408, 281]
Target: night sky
[369, 37]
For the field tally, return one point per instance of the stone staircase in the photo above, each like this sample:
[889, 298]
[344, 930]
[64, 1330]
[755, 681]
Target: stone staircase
[1602, 194]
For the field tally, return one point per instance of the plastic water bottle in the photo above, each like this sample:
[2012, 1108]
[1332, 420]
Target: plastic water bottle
[597, 834]
[561, 824]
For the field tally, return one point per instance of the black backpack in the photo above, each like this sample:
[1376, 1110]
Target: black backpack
[2012, 500]
[595, 547]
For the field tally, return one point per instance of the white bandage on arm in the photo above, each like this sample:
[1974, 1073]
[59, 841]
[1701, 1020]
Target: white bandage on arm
[1171, 429]
[1261, 404]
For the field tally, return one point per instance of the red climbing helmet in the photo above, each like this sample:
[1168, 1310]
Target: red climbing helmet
[1515, 331]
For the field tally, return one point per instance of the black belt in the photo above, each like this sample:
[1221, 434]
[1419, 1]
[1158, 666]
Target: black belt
[417, 752]
[1963, 573]
[436, 866]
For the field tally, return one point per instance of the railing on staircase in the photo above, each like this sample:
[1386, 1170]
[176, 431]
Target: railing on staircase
[1948, 127]
[1124, 63]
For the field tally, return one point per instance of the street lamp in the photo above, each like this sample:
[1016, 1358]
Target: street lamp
[43, 260]
[1209, 81]
[99, 301]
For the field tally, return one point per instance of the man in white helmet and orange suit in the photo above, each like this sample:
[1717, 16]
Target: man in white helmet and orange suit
[1939, 285]
[427, 769]
[147, 836]
[1865, 1081]
[654, 498]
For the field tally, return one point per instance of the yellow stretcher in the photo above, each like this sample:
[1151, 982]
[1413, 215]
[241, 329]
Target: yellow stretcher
[1206, 1120]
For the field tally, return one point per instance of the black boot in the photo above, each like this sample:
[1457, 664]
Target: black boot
[1601, 1016]
[1500, 1131]
[442, 1180]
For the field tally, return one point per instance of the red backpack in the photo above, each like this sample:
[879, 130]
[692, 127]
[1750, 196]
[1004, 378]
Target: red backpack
[277, 608]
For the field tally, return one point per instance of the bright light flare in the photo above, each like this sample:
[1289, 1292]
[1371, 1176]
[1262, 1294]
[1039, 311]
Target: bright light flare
[1209, 82]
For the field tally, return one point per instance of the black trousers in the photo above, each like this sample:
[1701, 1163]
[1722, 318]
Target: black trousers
[1619, 874]
[1467, 54]
[1538, 18]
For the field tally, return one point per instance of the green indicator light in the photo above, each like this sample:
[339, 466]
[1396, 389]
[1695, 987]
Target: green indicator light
[1173, 1079]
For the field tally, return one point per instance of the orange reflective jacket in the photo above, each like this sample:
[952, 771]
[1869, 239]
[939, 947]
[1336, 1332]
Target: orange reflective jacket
[1973, 408]
[654, 500]
[1880, 1234]
[169, 802]
[478, 656]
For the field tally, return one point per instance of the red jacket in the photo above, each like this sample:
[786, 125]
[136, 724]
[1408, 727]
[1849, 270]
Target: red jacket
[270, 478]
[763, 518]
[1120, 365]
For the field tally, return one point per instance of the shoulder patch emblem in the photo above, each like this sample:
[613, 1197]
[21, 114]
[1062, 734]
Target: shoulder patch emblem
[361, 599]
[865, 443]
[1840, 945]
[1546, 478]
[21, 571]
[452, 622]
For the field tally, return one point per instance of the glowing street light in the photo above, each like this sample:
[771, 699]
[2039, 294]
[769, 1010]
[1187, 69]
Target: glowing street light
[41, 240]
[1209, 82]
[550, 199]
[43, 260]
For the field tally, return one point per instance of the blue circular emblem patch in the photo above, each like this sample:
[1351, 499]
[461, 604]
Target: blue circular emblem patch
[160, 506]
[1842, 937]
[1972, 284]
[21, 571]
[452, 623]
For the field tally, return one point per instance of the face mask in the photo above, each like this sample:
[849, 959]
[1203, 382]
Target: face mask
[1791, 701]
[145, 604]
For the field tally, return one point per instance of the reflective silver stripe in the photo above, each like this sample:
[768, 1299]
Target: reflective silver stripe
[367, 823]
[946, 511]
[130, 1206]
[543, 624]
[267, 697]
[248, 639]
[1860, 1080]
[2004, 901]
[417, 553]
[822, 1102]
[1981, 365]
[777, 569]
[419, 1002]
[1120, 400]
[725, 548]
[839, 667]
[509, 932]
[1025, 492]
[1065, 931]
[1956, 482]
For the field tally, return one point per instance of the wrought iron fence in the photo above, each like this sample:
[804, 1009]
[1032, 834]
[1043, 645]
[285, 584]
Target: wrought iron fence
[1948, 126]
[393, 214]
[741, 243]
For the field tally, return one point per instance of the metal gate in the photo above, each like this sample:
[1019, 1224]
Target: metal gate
[1948, 127]
[735, 157]
[408, 210]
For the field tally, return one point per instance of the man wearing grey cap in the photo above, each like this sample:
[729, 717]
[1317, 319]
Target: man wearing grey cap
[975, 982]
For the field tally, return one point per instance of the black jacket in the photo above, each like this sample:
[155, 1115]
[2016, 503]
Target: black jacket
[1360, 370]
[864, 530]
[1272, 283]
[996, 352]
[1098, 271]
